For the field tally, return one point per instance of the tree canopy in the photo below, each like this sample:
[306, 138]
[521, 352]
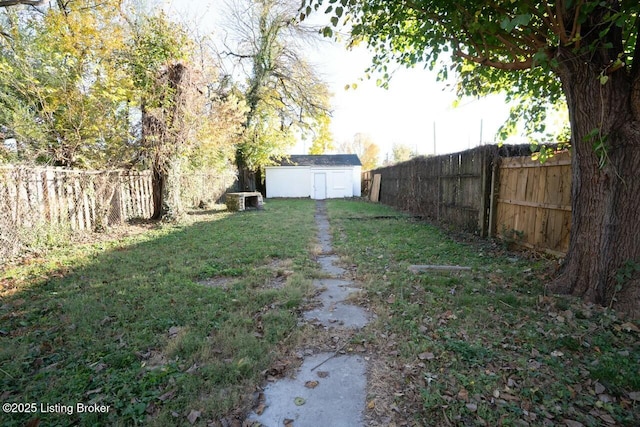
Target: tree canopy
[509, 47]
[362, 144]
[585, 53]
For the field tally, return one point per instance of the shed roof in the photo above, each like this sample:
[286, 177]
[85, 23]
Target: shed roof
[320, 160]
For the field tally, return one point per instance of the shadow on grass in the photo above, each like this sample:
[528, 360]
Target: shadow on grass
[126, 325]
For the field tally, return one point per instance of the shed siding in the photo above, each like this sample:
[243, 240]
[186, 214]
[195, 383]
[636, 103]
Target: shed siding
[298, 181]
[356, 180]
[289, 181]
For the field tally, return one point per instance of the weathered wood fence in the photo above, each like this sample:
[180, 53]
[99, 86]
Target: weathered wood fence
[533, 205]
[79, 199]
[485, 190]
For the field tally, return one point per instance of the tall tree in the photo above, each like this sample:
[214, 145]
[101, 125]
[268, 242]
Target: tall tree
[401, 153]
[586, 52]
[168, 91]
[63, 93]
[322, 137]
[284, 95]
[368, 151]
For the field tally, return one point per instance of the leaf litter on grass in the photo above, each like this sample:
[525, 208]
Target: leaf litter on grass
[125, 323]
[497, 350]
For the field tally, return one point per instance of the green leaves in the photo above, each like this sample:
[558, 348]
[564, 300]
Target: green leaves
[509, 24]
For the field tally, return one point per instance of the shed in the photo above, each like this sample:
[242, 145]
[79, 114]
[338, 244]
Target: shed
[326, 176]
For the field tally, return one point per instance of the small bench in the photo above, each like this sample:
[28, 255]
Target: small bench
[243, 201]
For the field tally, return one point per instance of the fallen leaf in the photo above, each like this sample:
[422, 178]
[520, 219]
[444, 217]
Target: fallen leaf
[630, 327]
[371, 404]
[94, 391]
[322, 374]
[557, 353]
[299, 401]
[572, 423]
[426, 356]
[173, 331]
[391, 299]
[607, 419]
[635, 396]
[288, 422]
[193, 416]
[167, 396]
[472, 407]
[463, 394]
[35, 422]
[599, 388]
[151, 409]
[260, 409]
[311, 384]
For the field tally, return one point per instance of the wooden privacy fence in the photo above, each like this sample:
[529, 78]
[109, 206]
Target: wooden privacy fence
[485, 190]
[533, 206]
[448, 188]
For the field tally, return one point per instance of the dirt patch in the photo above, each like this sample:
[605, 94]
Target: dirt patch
[281, 264]
[217, 282]
[281, 270]
[152, 359]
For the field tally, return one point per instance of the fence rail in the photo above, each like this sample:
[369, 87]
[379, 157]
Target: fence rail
[486, 190]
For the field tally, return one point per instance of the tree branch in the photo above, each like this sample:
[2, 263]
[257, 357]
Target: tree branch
[7, 3]
[509, 66]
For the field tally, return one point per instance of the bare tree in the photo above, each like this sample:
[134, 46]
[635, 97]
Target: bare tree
[267, 40]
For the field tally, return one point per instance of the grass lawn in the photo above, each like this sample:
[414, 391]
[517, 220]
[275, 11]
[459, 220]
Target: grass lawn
[486, 347]
[177, 326]
[178, 322]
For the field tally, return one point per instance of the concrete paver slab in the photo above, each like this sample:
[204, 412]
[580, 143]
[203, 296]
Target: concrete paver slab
[328, 265]
[339, 314]
[338, 400]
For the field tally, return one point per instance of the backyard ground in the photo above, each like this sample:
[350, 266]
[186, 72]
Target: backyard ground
[179, 325]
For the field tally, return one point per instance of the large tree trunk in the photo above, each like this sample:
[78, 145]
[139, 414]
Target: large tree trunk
[165, 132]
[246, 177]
[158, 182]
[603, 261]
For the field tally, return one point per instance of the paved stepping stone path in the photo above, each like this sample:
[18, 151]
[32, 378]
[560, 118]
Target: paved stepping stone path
[329, 389]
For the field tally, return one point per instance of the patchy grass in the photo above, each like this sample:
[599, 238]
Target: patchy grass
[485, 347]
[126, 323]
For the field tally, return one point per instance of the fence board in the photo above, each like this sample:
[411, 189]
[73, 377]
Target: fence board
[534, 202]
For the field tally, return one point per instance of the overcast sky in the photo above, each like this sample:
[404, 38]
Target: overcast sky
[406, 113]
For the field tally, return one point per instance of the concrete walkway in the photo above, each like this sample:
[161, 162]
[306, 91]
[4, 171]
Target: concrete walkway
[328, 389]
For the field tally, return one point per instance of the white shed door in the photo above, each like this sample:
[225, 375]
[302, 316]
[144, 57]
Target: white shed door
[319, 186]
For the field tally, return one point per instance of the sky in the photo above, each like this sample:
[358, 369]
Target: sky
[416, 110]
